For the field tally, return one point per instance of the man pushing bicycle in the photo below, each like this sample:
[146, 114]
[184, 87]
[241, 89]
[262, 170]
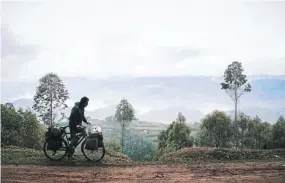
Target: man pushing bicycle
[75, 122]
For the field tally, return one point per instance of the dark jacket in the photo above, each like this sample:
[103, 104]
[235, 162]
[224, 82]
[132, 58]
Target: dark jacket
[77, 115]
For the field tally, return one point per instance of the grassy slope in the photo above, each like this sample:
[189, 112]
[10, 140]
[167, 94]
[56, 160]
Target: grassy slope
[200, 154]
[16, 155]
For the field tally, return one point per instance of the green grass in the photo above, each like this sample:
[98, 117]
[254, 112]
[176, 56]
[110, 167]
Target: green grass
[202, 154]
[24, 156]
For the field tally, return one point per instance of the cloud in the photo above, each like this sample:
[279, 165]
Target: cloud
[102, 39]
[10, 45]
[14, 54]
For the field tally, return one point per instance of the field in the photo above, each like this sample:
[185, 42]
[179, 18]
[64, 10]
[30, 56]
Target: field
[27, 165]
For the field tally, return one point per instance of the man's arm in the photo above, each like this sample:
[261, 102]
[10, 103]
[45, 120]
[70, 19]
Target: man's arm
[84, 119]
[74, 115]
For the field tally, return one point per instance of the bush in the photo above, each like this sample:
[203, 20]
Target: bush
[219, 154]
[138, 147]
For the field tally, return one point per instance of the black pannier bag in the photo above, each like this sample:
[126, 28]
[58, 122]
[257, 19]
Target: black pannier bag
[93, 141]
[53, 139]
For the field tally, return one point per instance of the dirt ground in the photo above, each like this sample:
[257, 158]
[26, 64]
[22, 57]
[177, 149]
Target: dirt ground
[199, 173]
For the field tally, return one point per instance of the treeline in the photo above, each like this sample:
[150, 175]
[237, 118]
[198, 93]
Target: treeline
[20, 127]
[217, 130]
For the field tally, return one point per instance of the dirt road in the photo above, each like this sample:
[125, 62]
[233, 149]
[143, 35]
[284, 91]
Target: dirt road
[214, 173]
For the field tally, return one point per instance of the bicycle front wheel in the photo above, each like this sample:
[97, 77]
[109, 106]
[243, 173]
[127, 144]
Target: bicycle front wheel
[93, 155]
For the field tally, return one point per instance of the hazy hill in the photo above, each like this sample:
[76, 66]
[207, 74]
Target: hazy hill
[161, 98]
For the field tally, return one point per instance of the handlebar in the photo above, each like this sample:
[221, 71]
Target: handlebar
[80, 126]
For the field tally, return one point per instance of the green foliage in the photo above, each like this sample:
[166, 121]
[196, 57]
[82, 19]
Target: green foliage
[215, 130]
[278, 133]
[176, 136]
[20, 127]
[51, 94]
[253, 133]
[235, 82]
[243, 123]
[114, 146]
[124, 114]
[138, 147]
[223, 154]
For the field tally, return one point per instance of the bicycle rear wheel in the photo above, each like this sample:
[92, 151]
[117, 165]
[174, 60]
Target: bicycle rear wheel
[93, 155]
[55, 155]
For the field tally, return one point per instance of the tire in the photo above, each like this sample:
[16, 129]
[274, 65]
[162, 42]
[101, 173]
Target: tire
[88, 158]
[55, 159]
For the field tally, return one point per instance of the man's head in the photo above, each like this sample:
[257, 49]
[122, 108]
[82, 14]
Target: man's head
[84, 101]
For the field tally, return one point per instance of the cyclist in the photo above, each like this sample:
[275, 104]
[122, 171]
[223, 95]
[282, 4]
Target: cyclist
[75, 121]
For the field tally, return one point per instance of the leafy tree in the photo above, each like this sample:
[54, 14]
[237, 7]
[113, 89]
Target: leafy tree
[243, 123]
[138, 146]
[20, 128]
[162, 140]
[179, 135]
[258, 133]
[176, 136]
[51, 95]
[278, 133]
[235, 84]
[10, 125]
[32, 133]
[124, 114]
[216, 129]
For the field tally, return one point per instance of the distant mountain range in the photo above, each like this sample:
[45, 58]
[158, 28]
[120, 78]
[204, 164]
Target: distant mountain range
[159, 99]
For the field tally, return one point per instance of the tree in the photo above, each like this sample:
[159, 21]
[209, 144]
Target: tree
[179, 135]
[10, 125]
[20, 128]
[32, 133]
[176, 136]
[124, 114]
[242, 124]
[216, 128]
[258, 133]
[50, 96]
[138, 146]
[278, 133]
[235, 84]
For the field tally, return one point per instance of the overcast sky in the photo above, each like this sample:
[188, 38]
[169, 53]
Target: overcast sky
[140, 38]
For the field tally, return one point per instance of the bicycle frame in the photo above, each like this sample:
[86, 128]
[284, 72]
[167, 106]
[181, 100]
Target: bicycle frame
[64, 135]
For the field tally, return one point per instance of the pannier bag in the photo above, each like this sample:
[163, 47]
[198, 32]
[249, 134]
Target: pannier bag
[93, 141]
[53, 132]
[54, 144]
[53, 139]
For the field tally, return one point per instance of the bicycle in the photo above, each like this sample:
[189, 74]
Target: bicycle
[64, 144]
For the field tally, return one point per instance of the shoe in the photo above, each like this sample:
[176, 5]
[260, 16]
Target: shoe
[71, 158]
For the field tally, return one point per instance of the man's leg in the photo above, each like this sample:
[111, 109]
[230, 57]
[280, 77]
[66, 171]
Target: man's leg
[72, 141]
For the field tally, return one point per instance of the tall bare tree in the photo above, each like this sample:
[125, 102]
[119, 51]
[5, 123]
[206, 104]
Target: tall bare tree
[50, 96]
[125, 113]
[235, 84]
